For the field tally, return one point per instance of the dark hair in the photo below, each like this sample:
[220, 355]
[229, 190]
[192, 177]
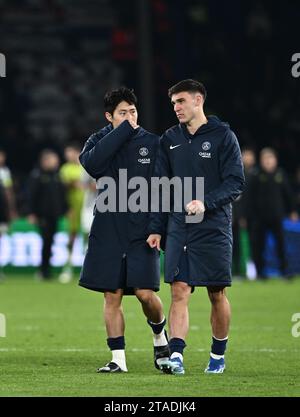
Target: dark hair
[74, 145]
[46, 152]
[248, 148]
[189, 85]
[114, 97]
[270, 151]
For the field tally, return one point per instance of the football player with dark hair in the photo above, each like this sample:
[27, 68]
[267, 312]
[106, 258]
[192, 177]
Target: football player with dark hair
[198, 253]
[118, 261]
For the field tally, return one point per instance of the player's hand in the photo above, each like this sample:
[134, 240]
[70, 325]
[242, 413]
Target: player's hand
[154, 241]
[195, 207]
[133, 123]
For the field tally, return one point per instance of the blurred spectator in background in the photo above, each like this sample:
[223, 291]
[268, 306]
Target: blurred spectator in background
[296, 187]
[7, 183]
[242, 215]
[270, 199]
[71, 173]
[87, 212]
[7, 200]
[3, 218]
[46, 203]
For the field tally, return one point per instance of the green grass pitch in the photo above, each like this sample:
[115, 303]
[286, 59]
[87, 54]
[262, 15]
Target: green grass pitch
[56, 339]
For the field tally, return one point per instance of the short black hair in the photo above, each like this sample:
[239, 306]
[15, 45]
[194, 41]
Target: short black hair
[248, 148]
[74, 145]
[189, 85]
[46, 152]
[268, 150]
[114, 97]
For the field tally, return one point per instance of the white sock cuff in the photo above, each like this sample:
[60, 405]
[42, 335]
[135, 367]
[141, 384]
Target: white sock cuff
[118, 356]
[214, 356]
[220, 340]
[160, 339]
[177, 355]
[118, 353]
[152, 322]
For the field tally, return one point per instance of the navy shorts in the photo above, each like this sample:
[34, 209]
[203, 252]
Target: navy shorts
[123, 279]
[122, 282]
[182, 270]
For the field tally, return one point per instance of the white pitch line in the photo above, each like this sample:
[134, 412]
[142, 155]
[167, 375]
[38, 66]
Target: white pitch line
[28, 328]
[74, 350]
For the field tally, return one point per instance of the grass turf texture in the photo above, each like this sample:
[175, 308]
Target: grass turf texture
[56, 339]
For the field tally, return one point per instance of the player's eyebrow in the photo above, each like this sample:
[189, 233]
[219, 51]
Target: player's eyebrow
[178, 100]
[126, 110]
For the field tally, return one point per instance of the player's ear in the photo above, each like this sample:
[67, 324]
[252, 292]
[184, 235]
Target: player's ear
[108, 116]
[198, 99]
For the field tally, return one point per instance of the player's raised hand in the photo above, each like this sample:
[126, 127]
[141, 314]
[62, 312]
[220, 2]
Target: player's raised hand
[133, 122]
[195, 207]
[154, 241]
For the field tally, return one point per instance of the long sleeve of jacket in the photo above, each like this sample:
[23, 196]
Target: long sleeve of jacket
[231, 172]
[98, 151]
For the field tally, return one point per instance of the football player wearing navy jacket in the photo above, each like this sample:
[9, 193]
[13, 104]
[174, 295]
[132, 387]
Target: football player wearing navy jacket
[118, 261]
[198, 253]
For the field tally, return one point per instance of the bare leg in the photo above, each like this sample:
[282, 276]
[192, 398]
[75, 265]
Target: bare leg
[153, 310]
[220, 312]
[151, 305]
[113, 313]
[179, 314]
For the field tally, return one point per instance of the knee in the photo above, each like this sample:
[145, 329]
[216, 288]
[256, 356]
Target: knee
[180, 292]
[144, 296]
[113, 300]
[216, 295]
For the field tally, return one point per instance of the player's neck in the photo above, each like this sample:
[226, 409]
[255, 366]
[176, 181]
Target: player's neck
[196, 123]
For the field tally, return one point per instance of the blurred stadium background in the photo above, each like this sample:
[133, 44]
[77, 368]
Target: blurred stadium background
[63, 55]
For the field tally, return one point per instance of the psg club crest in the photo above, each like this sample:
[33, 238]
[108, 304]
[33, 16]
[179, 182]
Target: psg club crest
[143, 151]
[206, 146]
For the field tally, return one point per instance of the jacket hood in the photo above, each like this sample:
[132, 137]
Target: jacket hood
[213, 123]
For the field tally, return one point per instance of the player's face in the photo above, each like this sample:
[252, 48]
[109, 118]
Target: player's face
[186, 105]
[72, 154]
[123, 111]
[2, 158]
[248, 158]
[268, 162]
[50, 162]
